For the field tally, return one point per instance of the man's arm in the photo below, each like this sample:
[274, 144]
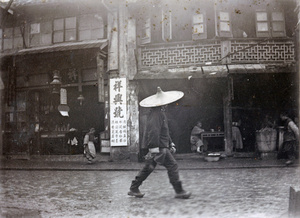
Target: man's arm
[294, 128]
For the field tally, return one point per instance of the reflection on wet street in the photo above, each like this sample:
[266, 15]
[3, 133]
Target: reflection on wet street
[222, 193]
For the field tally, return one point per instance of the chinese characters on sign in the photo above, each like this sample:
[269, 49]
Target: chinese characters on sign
[118, 114]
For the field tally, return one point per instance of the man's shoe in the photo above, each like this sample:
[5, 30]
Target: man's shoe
[289, 162]
[136, 193]
[183, 195]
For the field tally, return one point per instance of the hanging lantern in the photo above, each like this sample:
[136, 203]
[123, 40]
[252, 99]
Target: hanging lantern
[55, 84]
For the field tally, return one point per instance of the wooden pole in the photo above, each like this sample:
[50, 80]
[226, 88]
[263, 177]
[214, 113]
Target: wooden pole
[294, 203]
[228, 119]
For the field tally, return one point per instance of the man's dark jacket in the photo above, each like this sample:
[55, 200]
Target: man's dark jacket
[158, 129]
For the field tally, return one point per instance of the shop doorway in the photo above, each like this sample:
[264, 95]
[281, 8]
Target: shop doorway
[203, 100]
[259, 95]
[86, 114]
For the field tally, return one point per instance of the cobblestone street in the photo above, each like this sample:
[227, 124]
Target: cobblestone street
[256, 192]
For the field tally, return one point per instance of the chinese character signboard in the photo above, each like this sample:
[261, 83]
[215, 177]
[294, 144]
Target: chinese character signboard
[118, 114]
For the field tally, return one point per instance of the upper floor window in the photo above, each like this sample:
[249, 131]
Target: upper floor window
[262, 24]
[12, 38]
[275, 26]
[8, 38]
[224, 24]
[199, 26]
[41, 33]
[90, 27]
[64, 30]
[278, 24]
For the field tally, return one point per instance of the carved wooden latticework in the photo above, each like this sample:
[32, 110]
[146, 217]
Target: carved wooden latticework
[241, 52]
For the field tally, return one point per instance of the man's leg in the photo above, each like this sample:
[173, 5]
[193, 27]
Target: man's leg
[173, 173]
[141, 176]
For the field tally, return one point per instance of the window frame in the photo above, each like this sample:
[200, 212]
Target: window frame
[61, 28]
[13, 39]
[88, 31]
[203, 35]
[224, 33]
[281, 33]
[261, 33]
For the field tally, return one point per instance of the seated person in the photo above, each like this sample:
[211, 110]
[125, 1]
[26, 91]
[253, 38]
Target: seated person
[196, 142]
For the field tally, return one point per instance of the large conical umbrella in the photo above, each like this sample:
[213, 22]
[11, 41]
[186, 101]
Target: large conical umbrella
[161, 98]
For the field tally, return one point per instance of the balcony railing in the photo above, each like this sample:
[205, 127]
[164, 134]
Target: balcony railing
[237, 51]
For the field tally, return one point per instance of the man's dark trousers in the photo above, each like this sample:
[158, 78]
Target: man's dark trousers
[166, 159]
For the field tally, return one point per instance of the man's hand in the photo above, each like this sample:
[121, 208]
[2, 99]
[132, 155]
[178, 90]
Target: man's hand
[172, 148]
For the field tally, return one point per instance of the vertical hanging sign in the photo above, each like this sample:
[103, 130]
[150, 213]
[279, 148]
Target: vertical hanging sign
[63, 96]
[118, 113]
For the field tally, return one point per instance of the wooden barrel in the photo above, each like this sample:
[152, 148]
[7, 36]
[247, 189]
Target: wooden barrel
[266, 140]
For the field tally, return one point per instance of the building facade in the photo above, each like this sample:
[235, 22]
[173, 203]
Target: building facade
[95, 61]
[53, 67]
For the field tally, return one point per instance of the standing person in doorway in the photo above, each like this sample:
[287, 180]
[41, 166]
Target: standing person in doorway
[89, 146]
[290, 139]
[159, 143]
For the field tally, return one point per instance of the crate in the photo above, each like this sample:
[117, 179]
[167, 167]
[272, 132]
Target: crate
[105, 146]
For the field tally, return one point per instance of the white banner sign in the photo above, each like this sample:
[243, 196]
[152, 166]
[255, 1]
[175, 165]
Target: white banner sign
[63, 96]
[118, 114]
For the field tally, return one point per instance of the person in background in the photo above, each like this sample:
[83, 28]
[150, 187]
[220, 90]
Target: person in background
[237, 136]
[159, 144]
[89, 146]
[195, 140]
[290, 139]
[268, 122]
[72, 140]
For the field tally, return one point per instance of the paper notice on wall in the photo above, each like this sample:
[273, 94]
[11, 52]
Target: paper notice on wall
[118, 113]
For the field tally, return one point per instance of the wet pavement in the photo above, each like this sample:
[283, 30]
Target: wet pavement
[231, 187]
[103, 163]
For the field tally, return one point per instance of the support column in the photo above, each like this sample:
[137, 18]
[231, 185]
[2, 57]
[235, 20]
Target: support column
[133, 119]
[228, 118]
[1, 114]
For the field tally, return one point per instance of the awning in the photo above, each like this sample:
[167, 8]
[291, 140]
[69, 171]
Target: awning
[101, 44]
[206, 71]
[182, 72]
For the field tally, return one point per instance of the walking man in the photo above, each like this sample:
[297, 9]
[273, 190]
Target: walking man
[159, 143]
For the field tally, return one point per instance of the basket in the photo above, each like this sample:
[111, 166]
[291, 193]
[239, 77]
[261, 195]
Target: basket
[266, 140]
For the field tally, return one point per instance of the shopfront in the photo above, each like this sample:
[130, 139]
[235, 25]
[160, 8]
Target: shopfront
[52, 92]
[261, 97]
